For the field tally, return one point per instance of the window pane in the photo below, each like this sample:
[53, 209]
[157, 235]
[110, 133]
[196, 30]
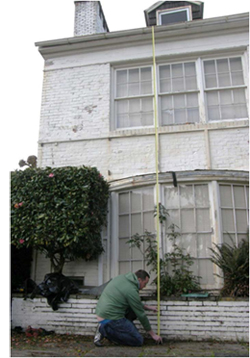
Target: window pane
[124, 250]
[203, 220]
[180, 116]
[209, 67]
[212, 98]
[146, 74]
[136, 254]
[171, 198]
[122, 107]
[173, 218]
[229, 239]
[239, 96]
[241, 220]
[133, 75]
[135, 201]
[211, 81]
[201, 195]
[224, 79]
[123, 203]
[124, 226]
[177, 70]
[148, 222]
[237, 78]
[227, 220]
[133, 89]
[148, 199]
[204, 243]
[186, 196]
[239, 197]
[188, 243]
[179, 101]
[178, 84]
[192, 100]
[136, 265]
[189, 69]
[187, 221]
[235, 64]
[222, 66]
[124, 267]
[225, 97]
[206, 272]
[136, 227]
[226, 196]
[134, 106]
[213, 113]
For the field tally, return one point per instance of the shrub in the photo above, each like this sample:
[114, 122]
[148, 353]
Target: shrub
[59, 211]
[180, 279]
[234, 263]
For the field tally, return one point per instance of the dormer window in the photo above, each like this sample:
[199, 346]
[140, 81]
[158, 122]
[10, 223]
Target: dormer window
[174, 15]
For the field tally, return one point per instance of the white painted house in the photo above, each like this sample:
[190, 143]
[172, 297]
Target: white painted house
[97, 110]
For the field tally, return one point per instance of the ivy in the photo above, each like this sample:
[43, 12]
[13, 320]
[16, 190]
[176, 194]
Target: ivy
[59, 211]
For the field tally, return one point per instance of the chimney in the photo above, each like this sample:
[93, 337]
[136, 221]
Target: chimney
[89, 18]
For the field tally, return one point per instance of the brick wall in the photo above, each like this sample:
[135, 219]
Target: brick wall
[182, 320]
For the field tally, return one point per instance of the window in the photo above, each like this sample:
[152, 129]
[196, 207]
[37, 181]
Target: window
[134, 98]
[178, 93]
[225, 89]
[136, 214]
[188, 207]
[234, 212]
[166, 17]
[181, 89]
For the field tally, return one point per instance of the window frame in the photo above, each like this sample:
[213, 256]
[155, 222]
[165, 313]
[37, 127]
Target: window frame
[185, 92]
[116, 99]
[159, 13]
[236, 233]
[201, 90]
[224, 88]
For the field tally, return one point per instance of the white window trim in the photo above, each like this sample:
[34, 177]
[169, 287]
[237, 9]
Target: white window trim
[205, 90]
[116, 99]
[159, 13]
[201, 90]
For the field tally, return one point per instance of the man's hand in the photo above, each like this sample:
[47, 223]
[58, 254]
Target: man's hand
[155, 337]
[151, 308]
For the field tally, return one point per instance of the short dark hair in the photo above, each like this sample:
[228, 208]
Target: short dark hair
[142, 274]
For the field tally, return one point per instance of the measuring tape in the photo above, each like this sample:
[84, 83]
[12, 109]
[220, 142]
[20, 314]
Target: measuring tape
[157, 184]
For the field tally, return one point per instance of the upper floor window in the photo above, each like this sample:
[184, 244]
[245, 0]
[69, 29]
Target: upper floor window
[134, 98]
[225, 89]
[171, 16]
[178, 93]
[188, 92]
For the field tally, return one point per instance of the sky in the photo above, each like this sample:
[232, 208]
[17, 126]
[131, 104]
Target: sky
[25, 22]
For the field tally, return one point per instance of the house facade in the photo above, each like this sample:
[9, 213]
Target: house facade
[98, 110]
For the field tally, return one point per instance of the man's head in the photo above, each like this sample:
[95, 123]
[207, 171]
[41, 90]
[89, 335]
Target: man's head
[143, 278]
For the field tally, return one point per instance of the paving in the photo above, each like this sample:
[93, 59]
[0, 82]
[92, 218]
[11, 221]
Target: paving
[80, 346]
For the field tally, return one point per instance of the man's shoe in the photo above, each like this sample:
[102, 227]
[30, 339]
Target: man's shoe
[98, 337]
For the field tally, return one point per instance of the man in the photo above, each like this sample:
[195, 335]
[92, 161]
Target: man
[118, 306]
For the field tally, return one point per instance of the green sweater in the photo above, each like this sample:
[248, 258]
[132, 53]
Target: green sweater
[120, 294]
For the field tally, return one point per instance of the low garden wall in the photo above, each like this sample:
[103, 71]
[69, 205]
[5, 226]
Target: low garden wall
[182, 319]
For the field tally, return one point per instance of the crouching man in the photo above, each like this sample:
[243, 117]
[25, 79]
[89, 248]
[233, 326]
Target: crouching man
[118, 306]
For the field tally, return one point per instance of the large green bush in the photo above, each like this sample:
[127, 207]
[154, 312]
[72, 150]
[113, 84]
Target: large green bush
[233, 260]
[59, 211]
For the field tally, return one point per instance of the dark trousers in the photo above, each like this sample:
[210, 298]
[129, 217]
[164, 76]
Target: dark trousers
[122, 331]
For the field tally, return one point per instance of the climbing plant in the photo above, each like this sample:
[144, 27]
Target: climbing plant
[59, 211]
[176, 276]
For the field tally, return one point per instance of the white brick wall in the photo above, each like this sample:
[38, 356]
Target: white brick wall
[182, 320]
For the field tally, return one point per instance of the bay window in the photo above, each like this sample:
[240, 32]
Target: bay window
[234, 208]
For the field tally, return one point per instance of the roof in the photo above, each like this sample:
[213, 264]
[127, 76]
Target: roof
[159, 3]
